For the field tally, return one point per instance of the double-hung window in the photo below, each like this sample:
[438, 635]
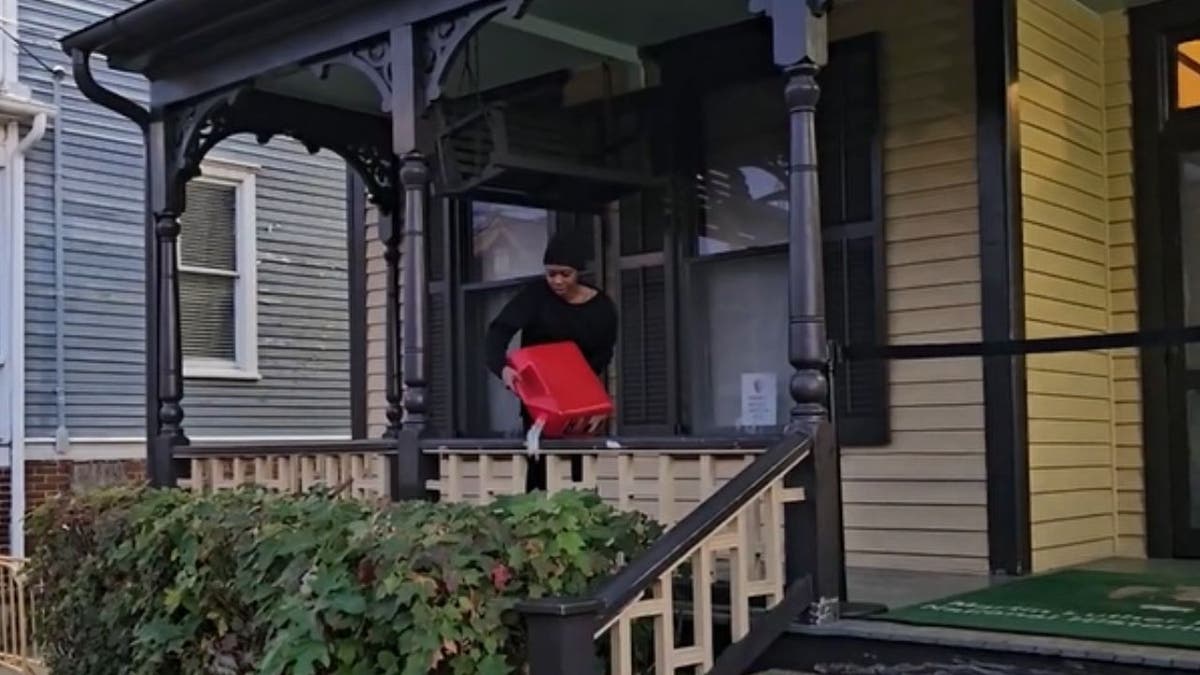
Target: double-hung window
[217, 279]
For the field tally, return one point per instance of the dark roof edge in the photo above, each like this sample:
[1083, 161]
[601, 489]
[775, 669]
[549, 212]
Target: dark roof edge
[145, 18]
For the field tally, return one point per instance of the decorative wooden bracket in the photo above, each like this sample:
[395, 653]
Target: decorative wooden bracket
[362, 140]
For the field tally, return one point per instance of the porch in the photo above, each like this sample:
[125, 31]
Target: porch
[956, 467]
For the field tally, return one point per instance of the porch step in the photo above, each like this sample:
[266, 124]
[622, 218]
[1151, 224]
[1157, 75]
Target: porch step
[853, 647]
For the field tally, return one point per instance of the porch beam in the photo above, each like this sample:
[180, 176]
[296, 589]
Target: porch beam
[574, 37]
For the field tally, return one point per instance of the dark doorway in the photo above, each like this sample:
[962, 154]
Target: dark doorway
[1166, 87]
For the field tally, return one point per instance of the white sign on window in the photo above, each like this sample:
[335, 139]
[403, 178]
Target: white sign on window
[759, 399]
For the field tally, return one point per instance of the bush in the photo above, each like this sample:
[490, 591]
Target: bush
[147, 581]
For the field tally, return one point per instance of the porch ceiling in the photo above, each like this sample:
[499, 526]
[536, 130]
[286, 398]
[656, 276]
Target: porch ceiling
[553, 35]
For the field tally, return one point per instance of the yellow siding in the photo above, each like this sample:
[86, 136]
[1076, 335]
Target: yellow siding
[921, 503]
[1078, 238]
[1127, 415]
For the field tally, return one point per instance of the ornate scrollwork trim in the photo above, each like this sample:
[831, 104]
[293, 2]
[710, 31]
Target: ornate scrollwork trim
[373, 59]
[363, 141]
[193, 131]
[443, 38]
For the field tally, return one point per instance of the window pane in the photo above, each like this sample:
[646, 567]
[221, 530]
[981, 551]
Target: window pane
[208, 228]
[493, 409]
[509, 241]
[1187, 68]
[743, 188]
[207, 316]
[742, 362]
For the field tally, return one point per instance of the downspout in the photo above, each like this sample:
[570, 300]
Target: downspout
[17, 347]
[62, 437]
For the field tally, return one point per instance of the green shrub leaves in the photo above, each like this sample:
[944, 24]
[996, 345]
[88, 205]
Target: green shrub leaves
[246, 581]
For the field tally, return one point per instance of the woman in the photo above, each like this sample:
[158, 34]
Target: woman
[558, 308]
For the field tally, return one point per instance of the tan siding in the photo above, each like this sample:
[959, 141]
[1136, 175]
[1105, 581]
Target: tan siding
[1131, 514]
[376, 366]
[920, 503]
[1070, 59]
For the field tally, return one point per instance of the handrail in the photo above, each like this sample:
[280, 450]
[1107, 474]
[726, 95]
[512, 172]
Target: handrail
[594, 452]
[677, 543]
[700, 444]
[262, 448]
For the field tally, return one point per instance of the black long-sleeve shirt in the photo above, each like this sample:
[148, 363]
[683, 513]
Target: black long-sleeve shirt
[542, 317]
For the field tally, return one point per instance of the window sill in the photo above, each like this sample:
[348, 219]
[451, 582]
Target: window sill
[219, 372]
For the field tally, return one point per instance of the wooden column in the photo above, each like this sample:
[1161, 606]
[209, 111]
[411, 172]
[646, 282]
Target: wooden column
[389, 234]
[164, 344]
[414, 176]
[813, 527]
[412, 470]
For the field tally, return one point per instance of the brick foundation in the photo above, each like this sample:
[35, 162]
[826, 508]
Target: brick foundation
[45, 479]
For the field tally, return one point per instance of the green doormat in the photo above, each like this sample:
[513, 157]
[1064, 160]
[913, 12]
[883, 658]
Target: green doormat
[1133, 608]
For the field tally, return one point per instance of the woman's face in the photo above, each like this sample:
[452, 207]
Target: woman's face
[562, 279]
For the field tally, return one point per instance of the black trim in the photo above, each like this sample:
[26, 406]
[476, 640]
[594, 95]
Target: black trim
[356, 249]
[202, 450]
[1001, 262]
[701, 445]
[1147, 118]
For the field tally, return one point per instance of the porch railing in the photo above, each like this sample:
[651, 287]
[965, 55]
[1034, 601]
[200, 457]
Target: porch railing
[18, 652]
[665, 479]
[354, 468]
[563, 633]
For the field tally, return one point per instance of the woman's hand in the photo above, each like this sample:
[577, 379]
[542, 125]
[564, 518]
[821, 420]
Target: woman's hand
[509, 376]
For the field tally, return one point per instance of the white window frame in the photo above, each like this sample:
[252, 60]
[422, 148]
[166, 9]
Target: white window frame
[243, 178]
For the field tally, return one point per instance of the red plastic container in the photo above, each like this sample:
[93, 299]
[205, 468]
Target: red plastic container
[557, 386]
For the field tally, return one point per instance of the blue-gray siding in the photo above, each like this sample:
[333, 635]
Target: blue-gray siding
[302, 280]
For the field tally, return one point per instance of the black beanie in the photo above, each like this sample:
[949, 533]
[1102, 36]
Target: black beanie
[566, 249]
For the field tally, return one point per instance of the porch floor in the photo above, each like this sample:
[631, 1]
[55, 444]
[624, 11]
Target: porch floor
[897, 589]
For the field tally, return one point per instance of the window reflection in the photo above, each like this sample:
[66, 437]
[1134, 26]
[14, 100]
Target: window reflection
[1187, 68]
[742, 192]
[509, 240]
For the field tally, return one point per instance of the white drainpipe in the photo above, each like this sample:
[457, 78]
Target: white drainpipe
[16, 350]
[17, 106]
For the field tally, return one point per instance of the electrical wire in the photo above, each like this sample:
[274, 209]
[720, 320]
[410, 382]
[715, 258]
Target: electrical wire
[25, 48]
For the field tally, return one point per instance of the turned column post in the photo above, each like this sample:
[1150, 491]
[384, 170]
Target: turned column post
[164, 342]
[813, 527]
[414, 177]
[389, 235]
[412, 469]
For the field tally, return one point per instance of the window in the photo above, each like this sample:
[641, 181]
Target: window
[1187, 74]
[507, 246]
[217, 280]
[736, 335]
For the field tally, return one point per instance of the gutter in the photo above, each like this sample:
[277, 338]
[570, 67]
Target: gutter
[145, 19]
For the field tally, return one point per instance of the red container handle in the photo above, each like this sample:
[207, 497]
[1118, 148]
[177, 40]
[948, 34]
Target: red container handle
[528, 384]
